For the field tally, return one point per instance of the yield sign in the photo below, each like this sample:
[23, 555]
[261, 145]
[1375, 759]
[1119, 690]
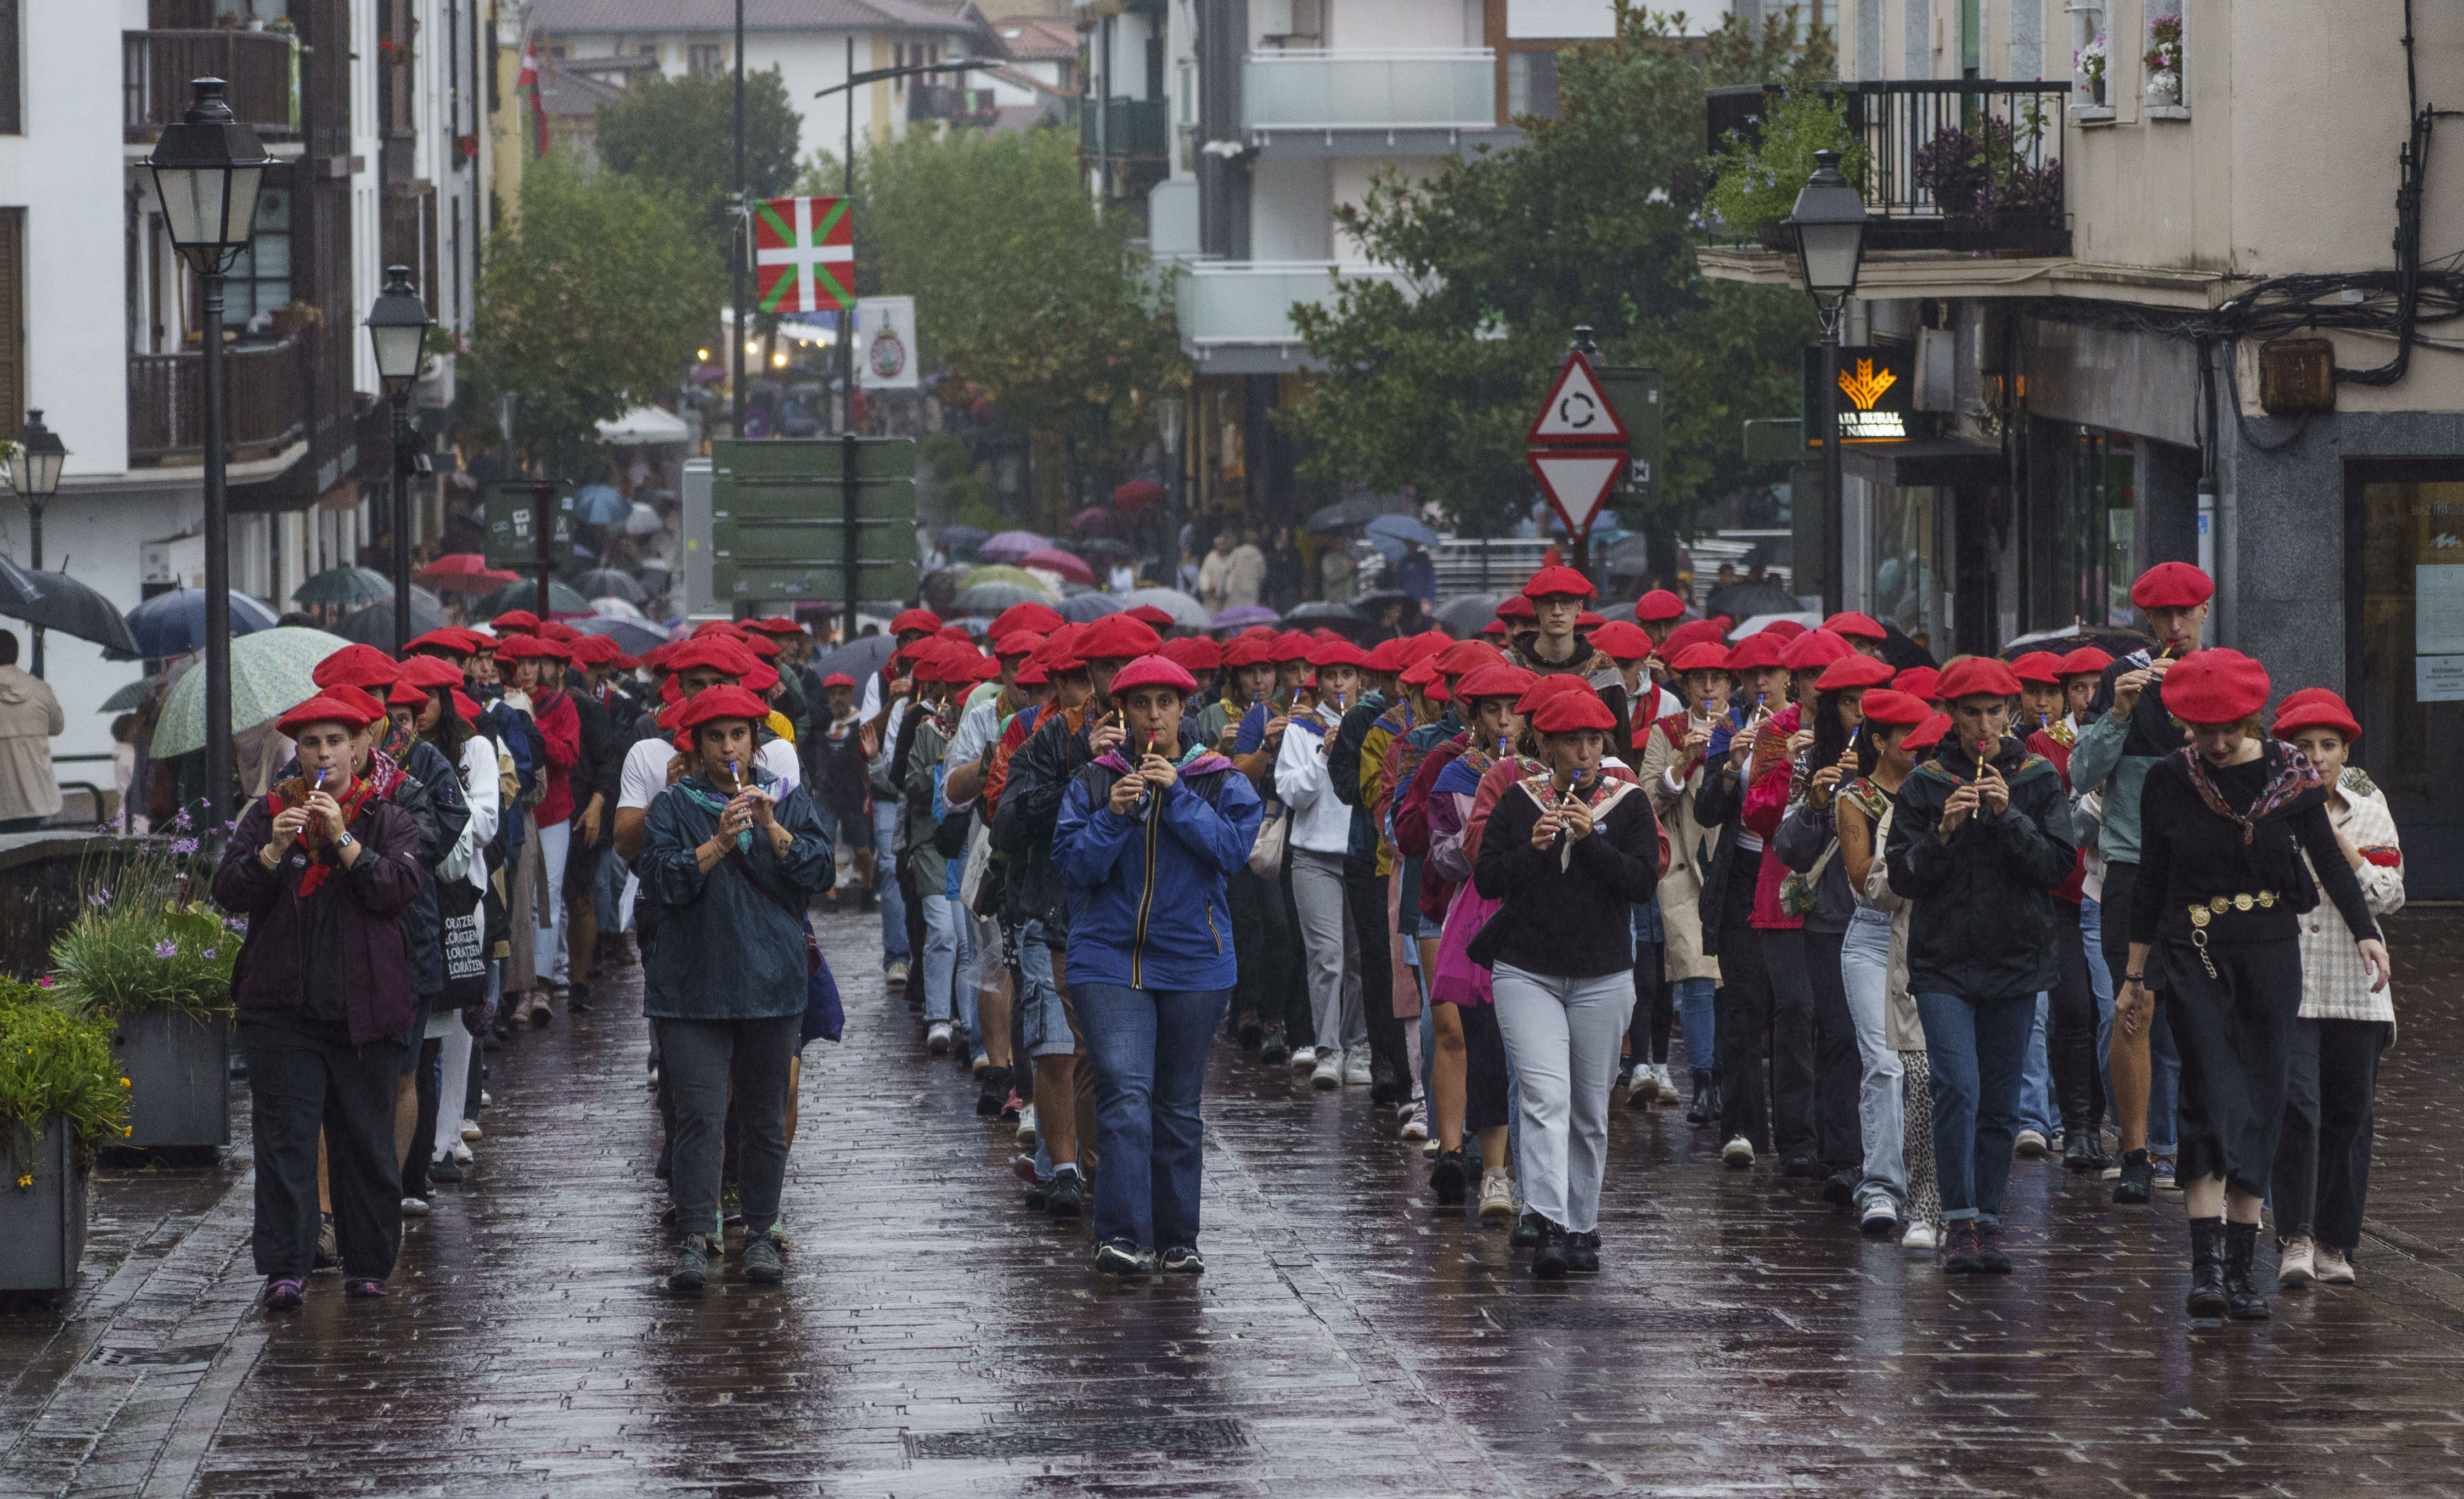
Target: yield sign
[1577, 412]
[1577, 480]
[803, 254]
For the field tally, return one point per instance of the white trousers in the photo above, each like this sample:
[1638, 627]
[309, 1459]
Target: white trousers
[1563, 1037]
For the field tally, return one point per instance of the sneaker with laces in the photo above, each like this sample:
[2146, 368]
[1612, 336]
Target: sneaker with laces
[762, 1264]
[1738, 1153]
[2136, 1180]
[1921, 1238]
[1065, 1197]
[415, 1207]
[1327, 1074]
[1415, 1124]
[2165, 1180]
[1182, 1260]
[2296, 1263]
[1272, 1049]
[1496, 1193]
[895, 974]
[1355, 1069]
[1879, 1220]
[462, 1154]
[1527, 1231]
[692, 1267]
[2335, 1266]
[444, 1168]
[937, 1039]
[2030, 1145]
[1120, 1257]
[470, 1129]
[1667, 1082]
[1959, 1247]
[1026, 1125]
[1583, 1254]
[1993, 1258]
[1303, 1056]
[1550, 1260]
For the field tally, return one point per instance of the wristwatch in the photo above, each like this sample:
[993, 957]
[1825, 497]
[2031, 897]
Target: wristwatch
[346, 840]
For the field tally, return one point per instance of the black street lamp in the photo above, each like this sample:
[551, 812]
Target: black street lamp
[1830, 224]
[34, 474]
[207, 171]
[397, 324]
[1168, 412]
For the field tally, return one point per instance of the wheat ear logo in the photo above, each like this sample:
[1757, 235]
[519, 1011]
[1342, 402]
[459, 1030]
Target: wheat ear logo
[1865, 387]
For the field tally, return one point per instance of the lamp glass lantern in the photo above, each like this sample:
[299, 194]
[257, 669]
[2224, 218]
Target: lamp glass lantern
[208, 170]
[397, 324]
[1168, 413]
[1830, 225]
[34, 468]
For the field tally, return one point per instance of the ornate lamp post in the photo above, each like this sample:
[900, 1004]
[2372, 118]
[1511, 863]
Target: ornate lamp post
[398, 325]
[1830, 224]
[34, 474]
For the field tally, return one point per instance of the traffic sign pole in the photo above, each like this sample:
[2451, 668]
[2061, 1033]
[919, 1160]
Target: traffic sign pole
[1577, 446]
[850, 566]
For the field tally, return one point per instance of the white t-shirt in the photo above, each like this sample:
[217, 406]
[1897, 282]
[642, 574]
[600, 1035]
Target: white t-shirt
[646, 769]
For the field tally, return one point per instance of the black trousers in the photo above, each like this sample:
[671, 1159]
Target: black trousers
[1366, 894]
[2322, 1161]
[1838, 1068]
[300, 1085]
[2070, 1030]
[2233, 1029]
[1743, 1018]
[1274, 986]
[425, 1080]
[1792, 1031]
[1654, 1008]
[1485, 1069]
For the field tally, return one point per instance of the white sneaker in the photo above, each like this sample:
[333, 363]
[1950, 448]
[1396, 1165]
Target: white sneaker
[2335, 1266]
[462, 1156]
[894, 976]
[1328, 1075]
[2030, 1145]
[1668, 1093]
[1739, 1152]
[1430, 1150]
[415, 1207]
[1303, 1056]
[470, 1129]
[485, 1102]
[1415, 1124]
[1355, 1069]
[1921, 1237]
[1496, 1194]
[2296, 1263]
[1026, 1125]
[936, 1040]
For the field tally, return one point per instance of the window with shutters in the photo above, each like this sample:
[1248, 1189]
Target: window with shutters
[12, 320]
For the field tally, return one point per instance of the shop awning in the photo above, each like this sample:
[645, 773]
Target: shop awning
[646, 425]
[1925, 461]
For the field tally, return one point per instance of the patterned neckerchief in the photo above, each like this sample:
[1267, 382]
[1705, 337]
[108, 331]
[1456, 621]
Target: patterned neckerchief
[294, 792]
[2292, 779]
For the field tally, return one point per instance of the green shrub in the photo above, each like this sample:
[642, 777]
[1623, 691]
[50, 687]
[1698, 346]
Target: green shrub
[148, 940]
[1755, 184]
[56, 1062]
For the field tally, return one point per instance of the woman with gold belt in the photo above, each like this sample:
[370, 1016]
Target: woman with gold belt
[2214, 927]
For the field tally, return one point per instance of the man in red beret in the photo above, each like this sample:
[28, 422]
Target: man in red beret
[1320, 837]
[1859, 631]
[1555, 643]
[1658, 613]
[1355, 764]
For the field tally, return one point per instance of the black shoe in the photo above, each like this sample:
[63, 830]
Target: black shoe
[692, 1267]
[1583, 1254]
[2080, 1150]
[1527, 1232]
[1803, 1168]
[577, 999]
[1959, 1247]
[1120, 1257]
[995, 1092]
[2138, 1180]
[1839, 1188]
[1066, 1196]
[2207, 1297]
[444, 1168]
[1387, 1092]
[1272, 1049]
[762, 1264]
[1991, 1258]
[1252, 1034]
[1706, 1102]
[1448, 1180]
[1550, 1261]
[1039, 1197]
[2242, 1297]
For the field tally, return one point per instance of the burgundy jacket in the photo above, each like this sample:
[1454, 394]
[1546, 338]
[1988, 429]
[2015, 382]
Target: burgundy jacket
[373, 980]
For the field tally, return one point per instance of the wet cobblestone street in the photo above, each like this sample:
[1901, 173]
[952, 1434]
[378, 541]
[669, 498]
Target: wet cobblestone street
[934, 1339]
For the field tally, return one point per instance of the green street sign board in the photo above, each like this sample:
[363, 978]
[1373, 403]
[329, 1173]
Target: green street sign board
[1634, 391]
[1776, 439]
[780, 514]
[511, 541]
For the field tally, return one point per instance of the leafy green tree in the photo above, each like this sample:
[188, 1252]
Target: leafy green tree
[1592, 221]
[678, 135]
[595, 303]
[1028, 294]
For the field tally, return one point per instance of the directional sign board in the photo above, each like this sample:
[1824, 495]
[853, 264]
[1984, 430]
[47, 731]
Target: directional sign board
[511, 541]
[1578, 444]
[779, 520]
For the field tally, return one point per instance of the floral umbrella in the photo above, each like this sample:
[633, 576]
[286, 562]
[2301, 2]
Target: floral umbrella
[270, 676]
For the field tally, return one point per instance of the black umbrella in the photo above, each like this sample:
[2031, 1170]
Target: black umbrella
[1084, 608]
[857, 658]
[2114, 640]
[1464, 615]
[1097, 546]
[1319, 611]
[1901, 652]
[373, 626]
[631, 635]
[344, 586]
[173, 623]
[606, 583]
[56, 600]
[1742, 601]
[524, 595]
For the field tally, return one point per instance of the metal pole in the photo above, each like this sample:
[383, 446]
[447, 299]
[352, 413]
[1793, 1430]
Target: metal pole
[736, 249]
[402, 476]
[218, 671]
[1835, 508]
[851, 578]
[852, 581]
[35, 539]
[543, 523]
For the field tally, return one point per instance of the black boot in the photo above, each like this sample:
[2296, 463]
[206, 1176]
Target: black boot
[994, 1094]
[2207, 1297]
[1550, 1260]
[2082, 1150]
[1707, 1100]
[2241, 1282]
[2138, 1180]
[1447, 1179]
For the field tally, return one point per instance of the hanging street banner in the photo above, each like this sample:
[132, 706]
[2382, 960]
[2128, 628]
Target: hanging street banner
[803, 254]
[885, 343]
[1578, 444]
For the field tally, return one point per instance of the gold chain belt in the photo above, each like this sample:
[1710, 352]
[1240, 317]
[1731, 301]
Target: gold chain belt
[2214, 906]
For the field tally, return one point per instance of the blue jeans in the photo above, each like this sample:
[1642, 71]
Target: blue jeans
[1149, 1048]
[1975, 1052]
[1043, 1019]
[894, 901]
[2165, 1060]
[2036, 1079]
[1864, 972]
[1697, 1022]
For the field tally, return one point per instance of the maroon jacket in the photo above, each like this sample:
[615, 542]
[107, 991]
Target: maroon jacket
[372, 983]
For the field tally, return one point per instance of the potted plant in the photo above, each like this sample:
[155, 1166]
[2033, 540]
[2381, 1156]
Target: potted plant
[1756, 182]
[2164, 60]
[62, 1100]
[1984, 179]
[153, 959]
[2088, 62]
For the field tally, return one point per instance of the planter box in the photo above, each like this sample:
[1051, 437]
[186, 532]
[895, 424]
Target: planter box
[178, 1079]
[42, 1227]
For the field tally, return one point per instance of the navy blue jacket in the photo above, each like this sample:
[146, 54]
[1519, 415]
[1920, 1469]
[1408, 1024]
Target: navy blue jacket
[1147, 908]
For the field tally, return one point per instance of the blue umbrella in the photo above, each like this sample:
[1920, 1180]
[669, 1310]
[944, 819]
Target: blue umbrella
[1086, 607]
[600, 506]
[173, 623]
[1401, 529]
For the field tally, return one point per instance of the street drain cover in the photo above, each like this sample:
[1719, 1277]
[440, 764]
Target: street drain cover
[185, 1354]
[1174, 1438]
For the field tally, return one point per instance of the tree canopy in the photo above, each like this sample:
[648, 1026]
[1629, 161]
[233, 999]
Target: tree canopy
[1592, 221]
[678, 135]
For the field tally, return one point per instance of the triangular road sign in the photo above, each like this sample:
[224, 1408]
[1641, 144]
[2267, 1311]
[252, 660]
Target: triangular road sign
[1579, 481]
[1577, 410]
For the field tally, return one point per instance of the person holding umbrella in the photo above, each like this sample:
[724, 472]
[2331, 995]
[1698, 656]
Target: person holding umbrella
[30, 719]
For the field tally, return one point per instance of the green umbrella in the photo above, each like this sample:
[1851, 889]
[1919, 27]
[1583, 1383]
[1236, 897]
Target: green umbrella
[348, 587]
[127, 698]
[270, 676]
[1002, 573]
[561, 599]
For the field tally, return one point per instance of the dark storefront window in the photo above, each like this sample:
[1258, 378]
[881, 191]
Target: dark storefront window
[2404, 643]
[2099, 526]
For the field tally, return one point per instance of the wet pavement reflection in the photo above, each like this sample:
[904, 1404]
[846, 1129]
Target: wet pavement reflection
[935, 1339]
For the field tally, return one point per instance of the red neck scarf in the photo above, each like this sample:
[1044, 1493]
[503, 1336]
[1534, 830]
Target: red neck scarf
[294, 793]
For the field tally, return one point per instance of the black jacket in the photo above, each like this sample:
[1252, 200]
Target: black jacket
[1039, 773]
[1721, 802]
[1982, 921]
[1343, 770]
[1567, 911]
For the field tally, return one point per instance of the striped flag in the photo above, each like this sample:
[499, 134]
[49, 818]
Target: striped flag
[803, 254]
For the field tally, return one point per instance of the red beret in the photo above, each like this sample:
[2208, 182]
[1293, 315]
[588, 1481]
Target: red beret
[1760, 648]
[1293, 646]
[2312, 708]
[1464, 654]
[775, 624]
[2214, 687]
[1016, 643]
[1929, 734]
[425, 672]
[1919, 681]
[1028, 615]
[2041, 666]
[1422, 672]
[1517, 606]
[724, 655]
[1547, 687]
[714, 703]
[838, 679]
[330, 708]
[2172, 586]
[1031, 674]
[464, 706]
[1853, 670]
[1243, 650]
[596, 650]
[1496, 679]
[1116, 635]
[558, 629]
[1151, 670]
[1193, 653]
[1148, 614]
[358, 698]
[406, 695]
[1260, 632]
[759, 677]
[1391, 656]
[1693, 633]
[1849, 625]
[2086, 660]
[1338, 651]
[552, 650]
[512, 620]
[450, 637]
[356, 666]
[1658, 604]
[1706, 655]
[1558, 579]
[1975, 676]
[1622, 641]
[924, 620]
[718, 626]
[1812, 650]
[1589, 620]
[626, 663]
[761, 645]
[1786, 630]
[1567, 712]
[1885, 706]
[1495, 626]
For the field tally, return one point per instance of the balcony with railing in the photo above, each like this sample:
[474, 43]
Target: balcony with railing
[257, 68]
[1961, 165]
[1331, 93]
[264, 403]
[1131, 129]
[1236, 316]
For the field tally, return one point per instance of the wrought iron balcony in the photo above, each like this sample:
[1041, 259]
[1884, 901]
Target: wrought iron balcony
[256, 68]
[1124, 128]
[265, 402]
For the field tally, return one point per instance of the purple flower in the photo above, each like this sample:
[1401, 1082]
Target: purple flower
[184, 846]
[181, 822]
[210, 955]
[99, 899]
[167, 948]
